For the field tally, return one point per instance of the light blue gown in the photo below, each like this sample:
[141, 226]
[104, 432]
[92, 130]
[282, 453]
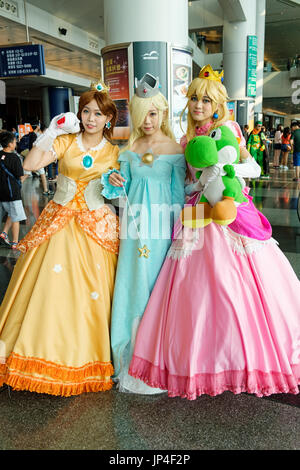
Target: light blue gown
[156, 196]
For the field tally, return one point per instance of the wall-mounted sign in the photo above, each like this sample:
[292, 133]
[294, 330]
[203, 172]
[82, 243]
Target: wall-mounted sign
[231, 105]
[151, 57]
[251, 65]
[115, 66]
[22, 60]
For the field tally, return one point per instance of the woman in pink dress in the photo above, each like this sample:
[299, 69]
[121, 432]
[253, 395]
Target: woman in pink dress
[225, 311]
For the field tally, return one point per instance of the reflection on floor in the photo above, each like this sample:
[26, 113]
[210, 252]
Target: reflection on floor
[112, 420]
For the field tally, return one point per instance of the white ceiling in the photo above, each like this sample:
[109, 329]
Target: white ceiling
[282, 32]
[86, 15]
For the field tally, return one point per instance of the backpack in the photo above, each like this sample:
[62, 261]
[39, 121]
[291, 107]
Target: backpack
[24, 143]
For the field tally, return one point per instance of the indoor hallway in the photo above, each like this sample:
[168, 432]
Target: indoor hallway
[116, 421]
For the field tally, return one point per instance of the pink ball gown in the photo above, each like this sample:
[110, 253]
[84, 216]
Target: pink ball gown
[224, 314]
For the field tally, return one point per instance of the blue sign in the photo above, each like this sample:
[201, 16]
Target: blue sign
[22, 60]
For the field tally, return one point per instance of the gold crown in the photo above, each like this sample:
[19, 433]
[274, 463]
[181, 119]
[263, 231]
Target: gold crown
[99, 86]
[210, 74]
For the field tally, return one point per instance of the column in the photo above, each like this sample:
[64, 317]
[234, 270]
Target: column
[260, 32]
[235, 50]
[141, 37]
[239, 23]
[156, 20]
[59, 100]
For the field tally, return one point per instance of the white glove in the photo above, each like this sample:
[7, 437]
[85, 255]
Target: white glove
[208, 175]
[193, 188]
[65, 123]
[247, 169]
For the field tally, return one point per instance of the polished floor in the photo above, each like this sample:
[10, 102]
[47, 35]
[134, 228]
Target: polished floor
[115, 421]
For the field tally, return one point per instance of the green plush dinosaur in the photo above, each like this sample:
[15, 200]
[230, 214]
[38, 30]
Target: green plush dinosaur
[214, 156]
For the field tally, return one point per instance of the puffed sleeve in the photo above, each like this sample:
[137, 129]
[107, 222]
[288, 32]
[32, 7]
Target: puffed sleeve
[60, 145]
[177, 184]
[183, 142]
[234, 126]
[112, 192]
[115, 157]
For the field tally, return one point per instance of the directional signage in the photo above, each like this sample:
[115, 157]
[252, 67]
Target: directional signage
[251, 65]
[22, 60]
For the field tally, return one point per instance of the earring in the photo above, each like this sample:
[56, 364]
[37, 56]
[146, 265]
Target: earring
[108, 125]
[215, 115]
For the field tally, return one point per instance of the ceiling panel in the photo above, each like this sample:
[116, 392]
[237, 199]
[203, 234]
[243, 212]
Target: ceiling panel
[282, 32]
[85, 15]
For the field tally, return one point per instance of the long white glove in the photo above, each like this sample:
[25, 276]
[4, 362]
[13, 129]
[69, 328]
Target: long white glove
[247, 169]
[65, 123]
[207, 176]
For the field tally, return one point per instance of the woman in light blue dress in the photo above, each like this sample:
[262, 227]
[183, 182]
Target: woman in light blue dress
[153, 172]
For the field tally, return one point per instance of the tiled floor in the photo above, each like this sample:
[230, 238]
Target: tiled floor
[112, 420]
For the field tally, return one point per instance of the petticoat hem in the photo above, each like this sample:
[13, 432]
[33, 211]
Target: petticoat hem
[40, 376]
[236, 381]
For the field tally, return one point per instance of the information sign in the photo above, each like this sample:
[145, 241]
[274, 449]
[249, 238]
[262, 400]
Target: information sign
[22, 60]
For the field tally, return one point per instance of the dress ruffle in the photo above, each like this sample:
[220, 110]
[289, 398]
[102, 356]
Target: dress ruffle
[101, 225]
[236, 381]
[38, 375]
[109, 191]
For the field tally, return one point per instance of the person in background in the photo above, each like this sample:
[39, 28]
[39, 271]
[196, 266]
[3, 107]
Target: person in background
[32, 136]
[49, 168]
[285, 148]
[245, 132]
[15, 132]
[295, 141]
[255, 145]
[277, 147]
[265, 151]
[10, 189]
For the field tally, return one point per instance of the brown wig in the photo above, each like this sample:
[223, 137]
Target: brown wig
[106, 106]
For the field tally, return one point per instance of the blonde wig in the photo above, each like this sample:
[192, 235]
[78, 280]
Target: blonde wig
[216, 91]
[139, 108]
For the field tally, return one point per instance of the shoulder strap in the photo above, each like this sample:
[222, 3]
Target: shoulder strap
[8, 180]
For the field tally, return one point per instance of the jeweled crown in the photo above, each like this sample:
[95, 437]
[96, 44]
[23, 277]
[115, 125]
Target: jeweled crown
[208, 73]
[147, 87]
[99, 86]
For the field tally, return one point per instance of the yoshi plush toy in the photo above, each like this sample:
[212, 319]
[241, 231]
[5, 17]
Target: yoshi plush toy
[220, 190]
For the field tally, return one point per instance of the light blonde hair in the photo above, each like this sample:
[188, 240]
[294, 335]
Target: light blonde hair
[217, 93]
[139, 108]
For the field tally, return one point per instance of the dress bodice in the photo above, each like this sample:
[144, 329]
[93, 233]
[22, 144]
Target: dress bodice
[161, 168]
[73, 164]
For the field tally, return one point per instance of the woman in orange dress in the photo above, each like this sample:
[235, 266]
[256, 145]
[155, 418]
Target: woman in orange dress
[55, 317]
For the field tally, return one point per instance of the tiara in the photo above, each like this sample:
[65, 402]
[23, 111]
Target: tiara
[99, 86]
[210, 74]
[147, 87]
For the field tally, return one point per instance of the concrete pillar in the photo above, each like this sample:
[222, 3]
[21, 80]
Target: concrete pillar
[59, 100]
[45, 106]
[156, 20]
[235, 50]
[260, 32]
[148, 29]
